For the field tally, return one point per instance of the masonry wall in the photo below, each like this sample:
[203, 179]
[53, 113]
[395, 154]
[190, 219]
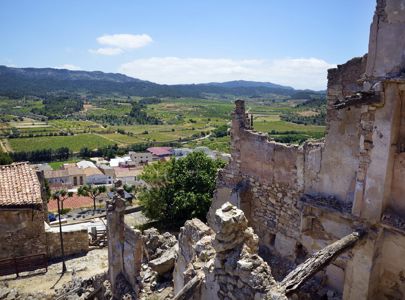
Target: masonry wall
[391, 267]
[299, 199]
[339, 156]
[22, 233]
[74, 242]
[132, 256]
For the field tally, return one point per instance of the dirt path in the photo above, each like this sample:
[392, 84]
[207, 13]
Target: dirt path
[5, 146]
[95, 262]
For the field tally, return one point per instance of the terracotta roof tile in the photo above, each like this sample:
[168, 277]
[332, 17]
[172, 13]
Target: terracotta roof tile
[19, 185]
[72, 202]
[160, 151]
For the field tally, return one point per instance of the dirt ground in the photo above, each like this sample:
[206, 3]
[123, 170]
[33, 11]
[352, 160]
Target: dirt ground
[95, 262]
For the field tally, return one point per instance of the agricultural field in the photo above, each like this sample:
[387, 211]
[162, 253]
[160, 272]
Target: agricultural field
[186, 120]
[74, 143]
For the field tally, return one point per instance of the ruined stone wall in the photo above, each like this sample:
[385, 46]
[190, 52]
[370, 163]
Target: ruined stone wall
[132, 255]
[299, 199]
[339, 156]
[22, 233]
[74, 242]
[387, 40]
[224, 258]
[391, 267]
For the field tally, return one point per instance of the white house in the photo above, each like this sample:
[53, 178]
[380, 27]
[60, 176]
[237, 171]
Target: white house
[140, 158]
[83, 164]
[115, 162]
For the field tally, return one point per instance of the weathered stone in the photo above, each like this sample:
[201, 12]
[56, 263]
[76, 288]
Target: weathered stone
[165, 263]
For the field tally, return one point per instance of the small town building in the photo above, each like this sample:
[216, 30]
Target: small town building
[83, 164]
[182, 152]
[140, 158]
[67, 177]
[107, 170]
[22, 212]
[160, 152]
[95, 176]
[129, 176]
[115, 162]
[99, 160]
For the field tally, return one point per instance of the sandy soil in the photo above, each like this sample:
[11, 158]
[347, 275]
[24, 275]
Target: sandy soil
[95, 262]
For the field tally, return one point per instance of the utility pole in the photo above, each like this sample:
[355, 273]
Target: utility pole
[61, 239]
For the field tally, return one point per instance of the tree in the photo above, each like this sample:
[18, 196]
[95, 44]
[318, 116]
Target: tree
[179, 189]
[5, 159]
[92, 192]
[61, 196]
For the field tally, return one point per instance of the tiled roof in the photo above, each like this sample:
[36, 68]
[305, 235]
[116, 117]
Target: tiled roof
[160, 151]
[92, 171]
[127, 172]
[19, 185]
[72, 202]
[56, 174]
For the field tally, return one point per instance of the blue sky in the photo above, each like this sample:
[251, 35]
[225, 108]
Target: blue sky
[289, 42]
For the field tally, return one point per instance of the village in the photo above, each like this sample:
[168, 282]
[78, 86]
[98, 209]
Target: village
[98, 171]
[324, 219]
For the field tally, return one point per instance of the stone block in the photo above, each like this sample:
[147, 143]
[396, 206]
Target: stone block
[285, 245]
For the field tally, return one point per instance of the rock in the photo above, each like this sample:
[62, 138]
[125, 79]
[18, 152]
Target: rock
[165, 262]
[3, 293]
[156, 243]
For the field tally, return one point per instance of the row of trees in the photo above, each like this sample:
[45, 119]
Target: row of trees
[318, 119]
[45, 155]
[63, 153]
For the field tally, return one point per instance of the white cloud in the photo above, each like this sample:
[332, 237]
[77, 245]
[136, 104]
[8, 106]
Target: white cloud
[297, 72]
[118, 43]
[69, 67]
[107, 51]
[125, 41]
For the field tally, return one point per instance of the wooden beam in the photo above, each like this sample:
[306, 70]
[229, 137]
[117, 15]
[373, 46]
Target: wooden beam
[357, 99]
[190, 288]
[317, 262]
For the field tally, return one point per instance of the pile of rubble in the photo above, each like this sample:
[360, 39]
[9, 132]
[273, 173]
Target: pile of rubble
[7, 293]
[217, 262]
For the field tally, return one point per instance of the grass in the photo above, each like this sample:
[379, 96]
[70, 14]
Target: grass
[74, 143]
[55, 165]
[220, 144]
[267, 126]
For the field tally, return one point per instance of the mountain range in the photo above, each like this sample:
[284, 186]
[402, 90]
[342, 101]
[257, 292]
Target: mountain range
[18, 82]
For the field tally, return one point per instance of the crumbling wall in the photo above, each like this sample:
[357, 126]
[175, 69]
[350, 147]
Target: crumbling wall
[132, 255]
[339, 156]
[22, 233]
[225, 258]
[391, 268]
[74, 242]
[193, 236]
[387, 40]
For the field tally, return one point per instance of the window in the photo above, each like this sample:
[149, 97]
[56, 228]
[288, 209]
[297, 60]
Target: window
[75, 180]
[81, 180]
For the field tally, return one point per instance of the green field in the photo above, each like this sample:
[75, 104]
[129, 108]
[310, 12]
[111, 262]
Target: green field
[184, 119]
[74, 143]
